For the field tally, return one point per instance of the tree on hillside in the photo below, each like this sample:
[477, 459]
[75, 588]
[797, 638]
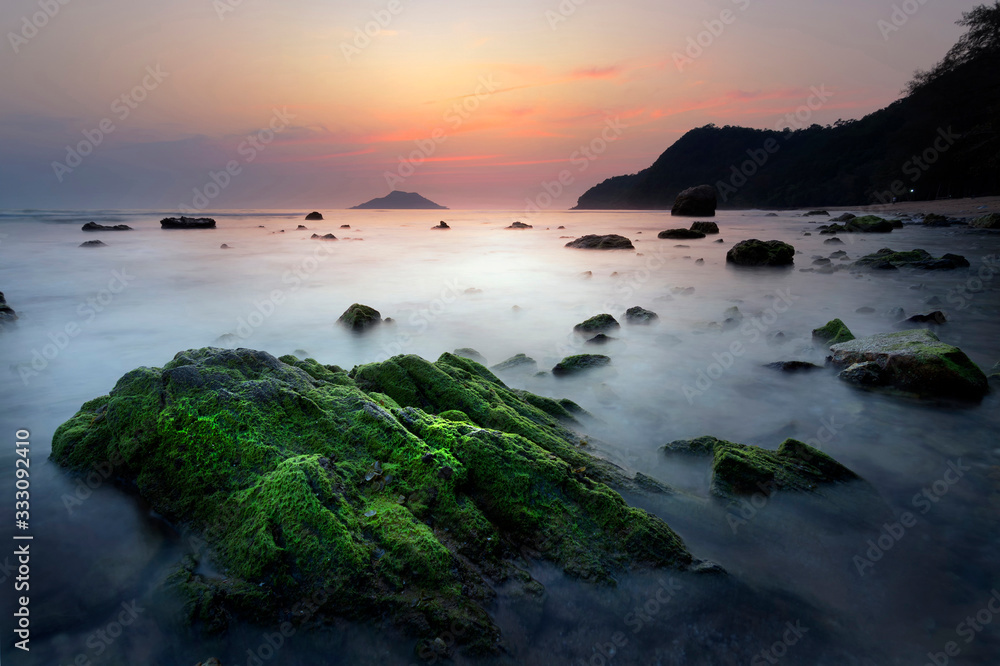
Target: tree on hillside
[981, 39]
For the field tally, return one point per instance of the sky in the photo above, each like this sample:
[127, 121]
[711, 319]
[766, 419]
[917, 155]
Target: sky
[201, 105]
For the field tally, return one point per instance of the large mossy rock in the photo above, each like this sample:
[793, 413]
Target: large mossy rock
[888, 258]
[597, 324]
[741, 469]
[403, 490]
[834, 332]
[572, 365]
[696, 202]
[911, 361]
[755, 252]
[990, 221]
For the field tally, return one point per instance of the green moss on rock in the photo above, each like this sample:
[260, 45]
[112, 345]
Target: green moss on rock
[598, 324]
[360, 317]
[402, 490]
[572, 365]
[740, 469]
[834, 332]
[755, 252]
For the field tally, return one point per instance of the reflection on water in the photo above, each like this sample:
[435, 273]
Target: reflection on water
[88, 316]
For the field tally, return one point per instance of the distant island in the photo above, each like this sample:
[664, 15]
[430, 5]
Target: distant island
[938, 141]
[397, 200]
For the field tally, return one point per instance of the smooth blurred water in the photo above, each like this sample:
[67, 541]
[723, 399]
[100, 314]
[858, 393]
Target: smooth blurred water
[87, 316]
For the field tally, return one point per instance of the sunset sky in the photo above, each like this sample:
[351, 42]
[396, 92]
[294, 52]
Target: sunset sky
[493, 99]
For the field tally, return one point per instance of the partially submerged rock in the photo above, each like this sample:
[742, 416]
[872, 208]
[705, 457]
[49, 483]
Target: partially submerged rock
[680, 234]
[833, 332]
[913, 361]
[600, 339]
[516, 362]
[755, 252]
[302, 478]
[520, 225]
[595, 242]
[597, 324]
[471, 354]
[705, 227]
[187, 223]
[935, 317]
[441, 225]
[93, 243]
[638, 315]
[889, 259]
[360, 317]
[741, 469]
[815, 213]
[314, 216]
[94, 226]
[7, 313]
[989, 221]
[844, 217]
[326, 237]
[572, 365]
[793, 366]
[700, 201]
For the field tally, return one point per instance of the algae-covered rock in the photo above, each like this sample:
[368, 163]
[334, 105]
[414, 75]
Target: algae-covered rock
[572, 365]
[360, 317]
[741, 469]
[471, 354]
[912, 361]
[755, 252]
[638, 315]
[597, 324]
[834, 332]
[887, 258]
[990, 221]
[403, 490]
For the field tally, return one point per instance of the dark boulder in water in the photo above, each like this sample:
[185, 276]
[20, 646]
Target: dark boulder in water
[93, 243]
[755, 252]
[314, 216]
[520, 225]
[681, 234]
[742, 469]
[572, 365]
[404, 491]
[696, 202]
[442, 225]
[600, 339]
[324, 237]
[94, 226]
[187, 223]
[887, 258]
[7, 313]
[935, 317]
[638, 315]
[360, 317]
[598, 324]
[705, 227]
[793, 366]
[595, 242]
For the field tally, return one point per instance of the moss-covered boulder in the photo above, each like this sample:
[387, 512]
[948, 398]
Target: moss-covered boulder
[597, 324]
[360, 318]
[638, 315]
[911, 361]
[869, 224]
[888, 258]
[741, 469]
[990, 221]
[834, 332]
[755, 252]
[400, 490]
[705, 227]
[516, 362]
[572, 365]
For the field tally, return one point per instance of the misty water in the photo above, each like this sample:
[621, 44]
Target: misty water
[794, 591]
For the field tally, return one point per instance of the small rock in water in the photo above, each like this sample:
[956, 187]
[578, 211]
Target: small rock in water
[699, 261]
[345, 226]
[301, 227]
[326, 237]
[638, 315]
[360, 317]
[93, 243]
[600, 339]
[865, 310]
[520, 225]
[519, 361]
[313, 216]
[597, 324]
[471, 354]
[93, 226]
[681, 234]
[936, 317]
[595, 242]
[793, 366]
[224, 247]
[580, 363]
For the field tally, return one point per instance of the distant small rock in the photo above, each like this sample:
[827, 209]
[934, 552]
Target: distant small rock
[345, 226]
[7, 313]
[936, 317]
[93, 226]
[793, 366]
[846, 217]
[326, 237]
[360, 317]
[93, 243]
[705, 227]
[471, 354]
[833, 241]
[771, 215]
[314, 216]
[520, 225]
[572, 365]
[595, 242]
[516, 362]
[680, 234]
[720, 241]
[301, 227]
[638, 315]
[865, 310]
[187, 223]
[699, 262]
[600, 339]
[442, 225]
[224, 247]
[815, 213]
